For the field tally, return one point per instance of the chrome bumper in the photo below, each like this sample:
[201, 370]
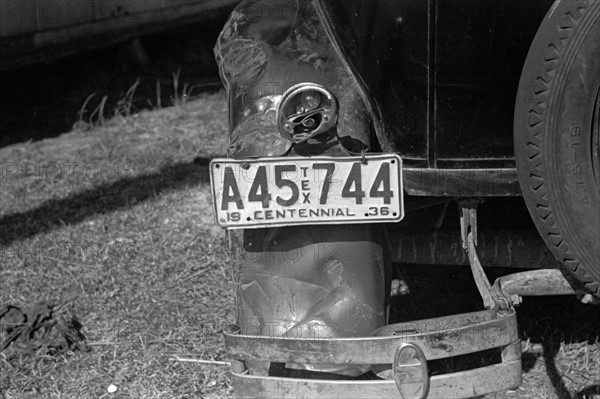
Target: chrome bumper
[403, 350]
[437, 338]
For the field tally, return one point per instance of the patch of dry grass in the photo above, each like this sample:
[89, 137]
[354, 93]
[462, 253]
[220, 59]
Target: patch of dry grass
[117, 220]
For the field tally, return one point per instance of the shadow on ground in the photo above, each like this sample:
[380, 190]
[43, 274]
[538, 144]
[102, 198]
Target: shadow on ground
[105, 198]
[550, 321]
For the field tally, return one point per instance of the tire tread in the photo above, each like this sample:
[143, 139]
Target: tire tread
[535, 187]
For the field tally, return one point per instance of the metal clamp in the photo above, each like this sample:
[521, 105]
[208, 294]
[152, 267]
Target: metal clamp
[468, 231]
[468, 219]
[507, 290]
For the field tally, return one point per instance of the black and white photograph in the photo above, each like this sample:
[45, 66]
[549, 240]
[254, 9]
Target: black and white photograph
[316, 199]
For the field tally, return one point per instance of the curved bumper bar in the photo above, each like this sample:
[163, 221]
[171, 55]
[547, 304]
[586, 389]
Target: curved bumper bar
[436, 338]
[464, 384]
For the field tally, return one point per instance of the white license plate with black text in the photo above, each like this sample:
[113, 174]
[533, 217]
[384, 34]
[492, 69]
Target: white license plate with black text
[270, 192]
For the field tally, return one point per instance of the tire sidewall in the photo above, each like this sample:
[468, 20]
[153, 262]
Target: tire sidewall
[553, 121]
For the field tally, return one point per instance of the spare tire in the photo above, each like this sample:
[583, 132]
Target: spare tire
[556, 136]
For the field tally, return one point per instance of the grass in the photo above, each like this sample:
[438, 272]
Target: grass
[124, 232]
[42, 100]
[117, 220]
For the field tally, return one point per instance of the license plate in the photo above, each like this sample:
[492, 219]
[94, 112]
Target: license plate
[270, 192]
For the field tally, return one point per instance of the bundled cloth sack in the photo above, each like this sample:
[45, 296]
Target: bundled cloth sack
[44, 328]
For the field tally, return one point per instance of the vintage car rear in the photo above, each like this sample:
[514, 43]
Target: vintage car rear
[345, 116]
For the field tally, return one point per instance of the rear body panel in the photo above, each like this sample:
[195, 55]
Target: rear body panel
[444, 74]
[434, 81]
